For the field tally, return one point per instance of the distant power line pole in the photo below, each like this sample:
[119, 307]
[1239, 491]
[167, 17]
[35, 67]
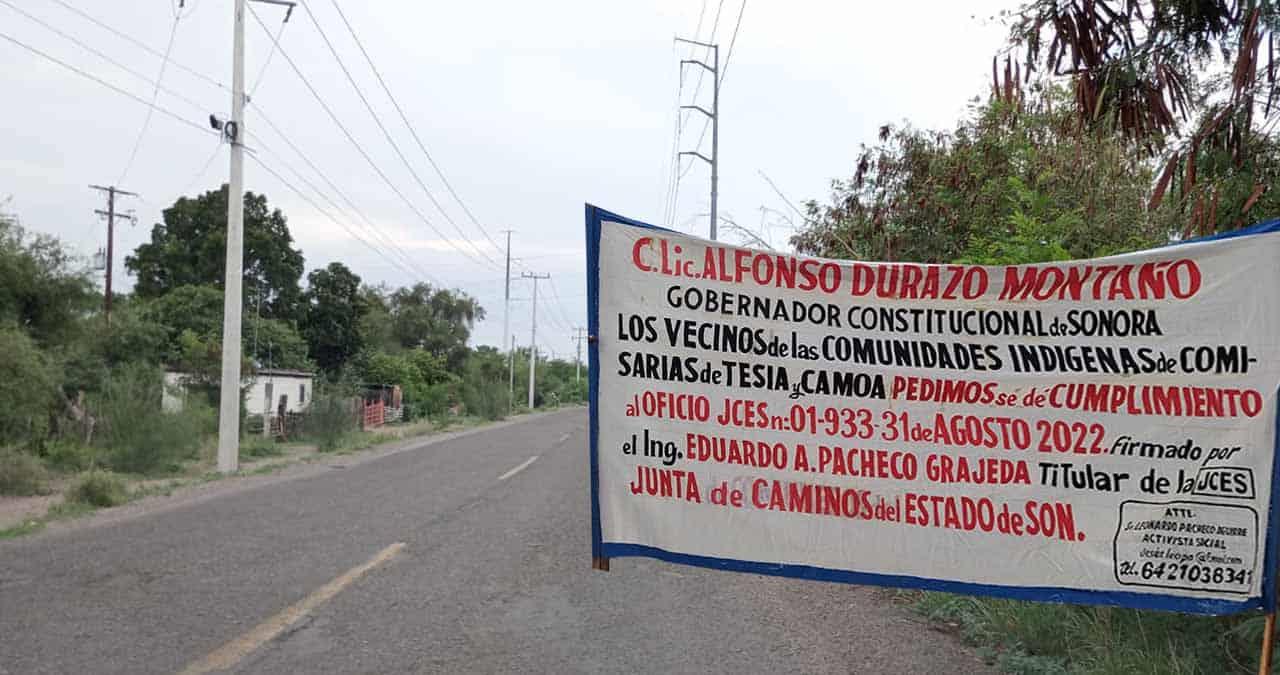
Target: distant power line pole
[533, 331]
[110, 215]
[233, 292]
[579, 334]
[506, 295]
[508, 342]
[714, 116]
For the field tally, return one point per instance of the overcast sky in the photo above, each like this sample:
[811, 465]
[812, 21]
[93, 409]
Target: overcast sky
[530, 110]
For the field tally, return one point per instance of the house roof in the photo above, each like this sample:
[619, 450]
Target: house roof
[282, 372]
[285, 372]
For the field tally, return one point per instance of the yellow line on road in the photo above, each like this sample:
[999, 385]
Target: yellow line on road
[230, 654]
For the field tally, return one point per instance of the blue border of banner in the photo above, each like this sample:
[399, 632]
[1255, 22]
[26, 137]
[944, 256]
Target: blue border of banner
[595, 216]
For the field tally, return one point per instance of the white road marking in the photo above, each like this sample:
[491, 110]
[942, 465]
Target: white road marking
[230, 654]
[523, 465]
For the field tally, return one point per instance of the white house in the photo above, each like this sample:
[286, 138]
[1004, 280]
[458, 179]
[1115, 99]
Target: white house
[265, 392]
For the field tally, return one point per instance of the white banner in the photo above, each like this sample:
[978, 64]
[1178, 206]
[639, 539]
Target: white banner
[1095, 431]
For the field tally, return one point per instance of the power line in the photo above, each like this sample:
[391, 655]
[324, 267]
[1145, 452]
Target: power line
[672, 195]
[383, 238]
[555, 295]
[702, 73]
[707, 123]
[673, 164]
[207, 130]
[262, 72]
[138, 43]
[374, 231]
[404, 118]
[391, 140]
[379, 252]
[175, 116]
[350, 138]
[715, 25]
[406, 263]
[98, 53]
[192, 9]
[118, 90]
[217, 149]
[732, 40]
[155, 93]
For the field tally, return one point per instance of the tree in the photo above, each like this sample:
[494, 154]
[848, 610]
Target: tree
[437, 320]
[333, 307]
[87, 362]
[1012, 171]
[28, 388]
[377, 328]
[197, 311]
[274, 343]
[1186, 82]
[189, 249]
[40, 292]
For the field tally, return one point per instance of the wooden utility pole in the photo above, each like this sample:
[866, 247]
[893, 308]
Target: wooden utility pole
[110, 215]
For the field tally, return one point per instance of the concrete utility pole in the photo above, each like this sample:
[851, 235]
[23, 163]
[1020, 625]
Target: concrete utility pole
[507, 340]
[506, 295]
[533, 332]
[233, 291]
[579, 334]
[714, 116]
[110, 215]
[233, 294]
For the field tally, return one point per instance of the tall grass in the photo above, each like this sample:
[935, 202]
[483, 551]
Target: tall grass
[135, 434]
[98, 488]
[21, 474]
[1043, 639]
[486, 398]
[331, 417]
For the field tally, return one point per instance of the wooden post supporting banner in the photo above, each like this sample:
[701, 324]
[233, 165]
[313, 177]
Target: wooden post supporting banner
[1264, 661]
[597, 563]
[1269, 631]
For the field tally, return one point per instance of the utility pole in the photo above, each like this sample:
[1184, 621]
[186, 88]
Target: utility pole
[579, 334]
[506, 295]
[714, 116]
[233, 291]
[507, 340]
[233, 294]
[511, 375]
[533, 331]
[110, 215]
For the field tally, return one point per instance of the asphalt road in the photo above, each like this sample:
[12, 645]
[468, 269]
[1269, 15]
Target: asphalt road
[459, 556]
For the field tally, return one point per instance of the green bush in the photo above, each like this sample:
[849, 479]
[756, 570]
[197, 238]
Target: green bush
[136, 434]
[21, 474]
[434, 400]
[28, 389]
[70, 456]
[485, 398]
[331, 417]
[98, 488]
[256, 447]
